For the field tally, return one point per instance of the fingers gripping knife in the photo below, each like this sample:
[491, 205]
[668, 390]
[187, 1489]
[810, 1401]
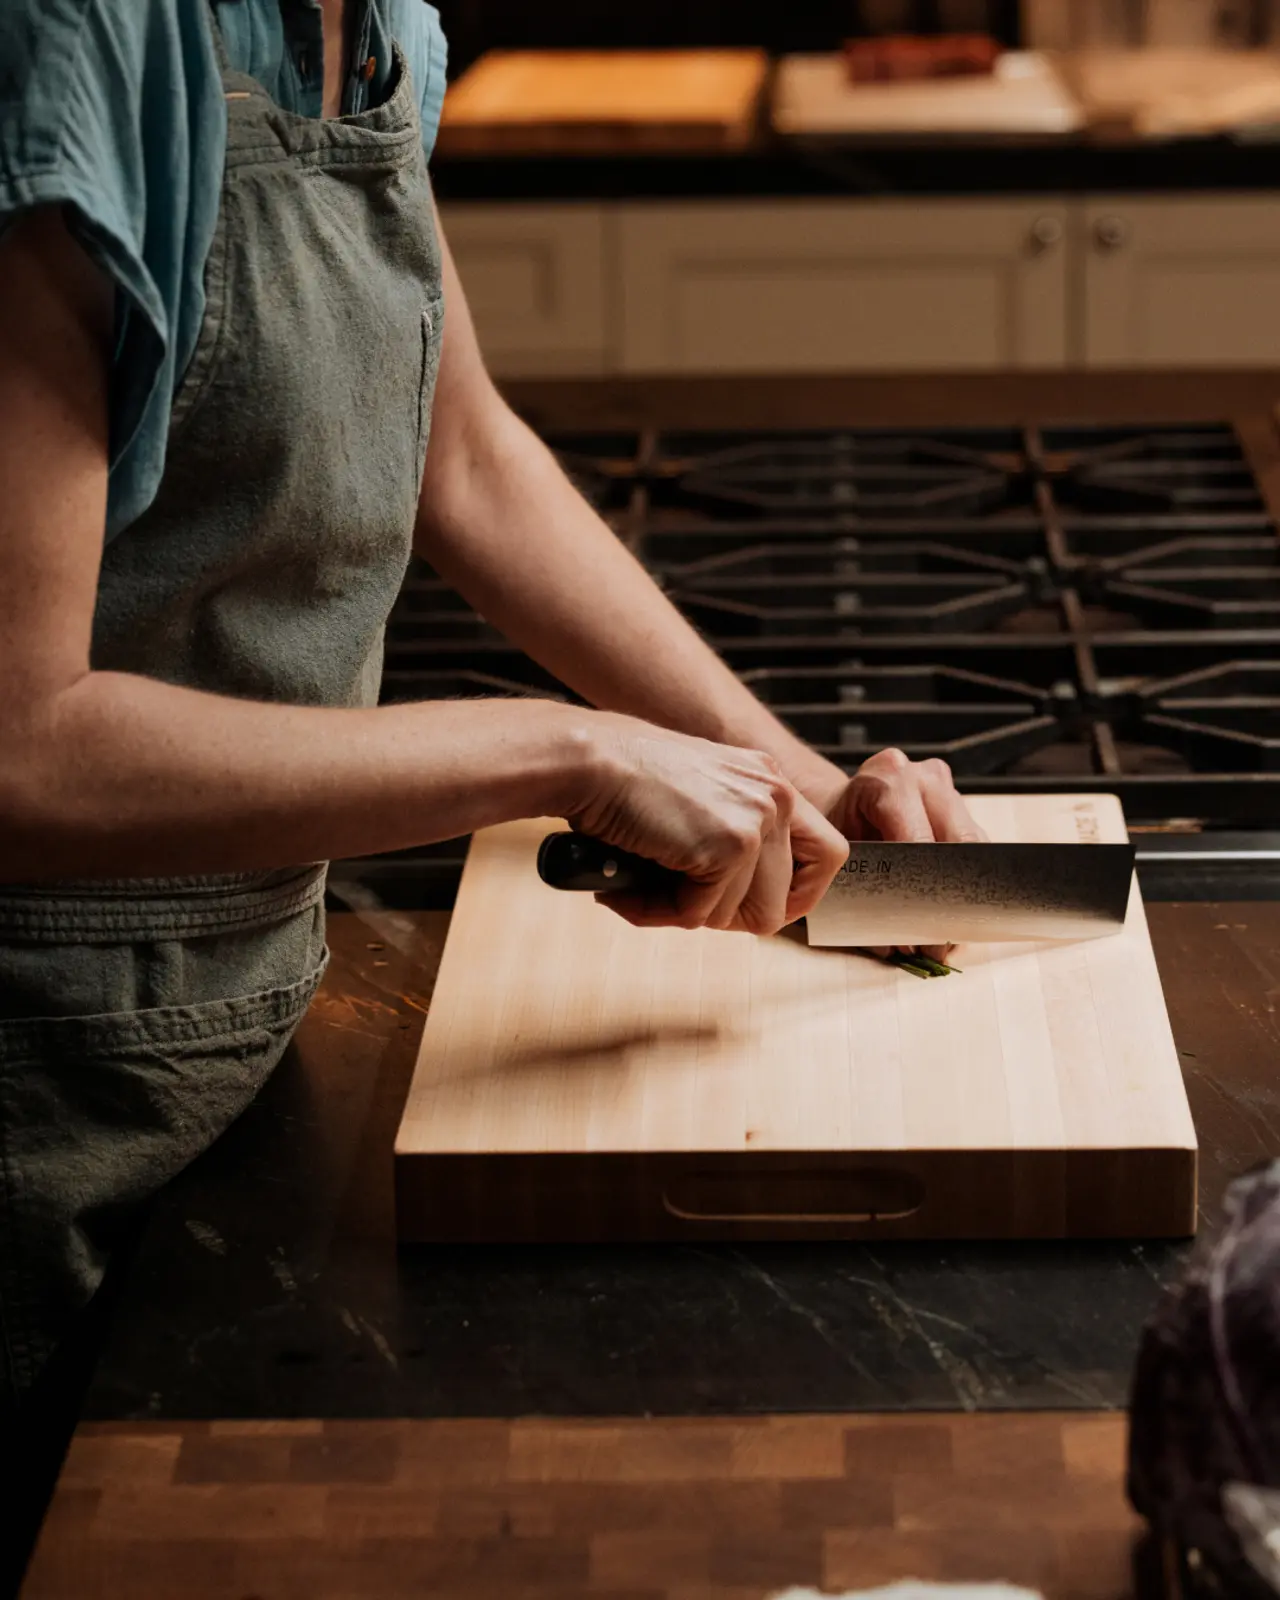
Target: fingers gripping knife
[909, 894]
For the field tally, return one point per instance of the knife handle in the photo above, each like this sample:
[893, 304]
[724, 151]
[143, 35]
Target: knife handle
[578, 862]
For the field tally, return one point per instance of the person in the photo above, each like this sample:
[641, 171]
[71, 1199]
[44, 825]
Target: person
[239, 385]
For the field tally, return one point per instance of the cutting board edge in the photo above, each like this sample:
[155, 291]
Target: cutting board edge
[594, 1197]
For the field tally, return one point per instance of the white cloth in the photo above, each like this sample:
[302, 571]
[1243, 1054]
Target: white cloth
[920, 1591]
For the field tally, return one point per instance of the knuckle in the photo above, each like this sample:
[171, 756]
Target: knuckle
[893, 760]
[755, 919]
[878, 797]
[742, 839]
[935, 767]
[754, 828]
[726, 844]
[694, 906]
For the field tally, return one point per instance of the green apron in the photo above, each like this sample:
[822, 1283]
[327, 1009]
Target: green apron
[138, 1018]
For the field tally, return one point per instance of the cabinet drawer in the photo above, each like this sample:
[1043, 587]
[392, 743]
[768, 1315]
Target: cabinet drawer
[535, 281]
[842, 285]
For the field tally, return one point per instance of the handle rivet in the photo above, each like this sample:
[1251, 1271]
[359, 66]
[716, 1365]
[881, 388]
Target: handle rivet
[610, 869]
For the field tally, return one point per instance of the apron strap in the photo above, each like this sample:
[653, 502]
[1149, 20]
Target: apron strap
[219, 43]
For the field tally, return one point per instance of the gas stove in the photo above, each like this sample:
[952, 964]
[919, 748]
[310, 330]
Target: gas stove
[1046, 608]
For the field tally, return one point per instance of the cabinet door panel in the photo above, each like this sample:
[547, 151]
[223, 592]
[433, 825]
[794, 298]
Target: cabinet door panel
[535, 281]
[843, 286]
[1184, 282]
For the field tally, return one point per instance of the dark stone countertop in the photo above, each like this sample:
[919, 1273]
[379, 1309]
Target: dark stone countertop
[269, 1284]
[776, 169]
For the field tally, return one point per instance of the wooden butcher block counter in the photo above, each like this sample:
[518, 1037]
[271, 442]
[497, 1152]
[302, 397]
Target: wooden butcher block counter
[532, 102]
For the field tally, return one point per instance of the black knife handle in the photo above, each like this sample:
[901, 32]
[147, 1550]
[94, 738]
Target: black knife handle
[576, 861]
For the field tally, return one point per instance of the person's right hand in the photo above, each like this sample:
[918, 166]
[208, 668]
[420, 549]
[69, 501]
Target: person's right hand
[755, 853]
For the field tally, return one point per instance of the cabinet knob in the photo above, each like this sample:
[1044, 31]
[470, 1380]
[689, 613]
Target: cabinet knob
[1046, 232]
[1111, 233]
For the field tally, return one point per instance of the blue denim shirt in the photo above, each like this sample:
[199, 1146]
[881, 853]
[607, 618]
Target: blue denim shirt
[113, 109]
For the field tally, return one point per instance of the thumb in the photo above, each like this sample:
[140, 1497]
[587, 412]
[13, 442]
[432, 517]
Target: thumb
[818, 851]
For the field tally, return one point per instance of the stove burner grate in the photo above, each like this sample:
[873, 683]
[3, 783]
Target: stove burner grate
[1197, 581]
[1225, 715]
[1049, 607]
[848, 586]
[978, 724]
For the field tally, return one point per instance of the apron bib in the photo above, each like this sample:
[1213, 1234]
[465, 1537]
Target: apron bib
[140, 1017]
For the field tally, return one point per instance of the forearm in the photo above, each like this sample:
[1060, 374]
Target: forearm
[122, 776]
[531, 555]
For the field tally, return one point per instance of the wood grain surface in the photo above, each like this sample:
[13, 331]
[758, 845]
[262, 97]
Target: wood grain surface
[596, 101]
[579, 1077]
[631, 1510]
[1169, 91]
[813, 98]
[904, 400]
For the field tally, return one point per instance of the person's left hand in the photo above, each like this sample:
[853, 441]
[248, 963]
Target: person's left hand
[916, 802]
[892, 797]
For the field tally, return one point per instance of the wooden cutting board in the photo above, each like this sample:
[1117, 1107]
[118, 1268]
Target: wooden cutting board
[1171, 93]
[1024, 97]
[598, 101]
[583, 1079]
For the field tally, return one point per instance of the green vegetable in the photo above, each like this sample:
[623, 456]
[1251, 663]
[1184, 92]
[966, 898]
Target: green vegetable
[921, 966]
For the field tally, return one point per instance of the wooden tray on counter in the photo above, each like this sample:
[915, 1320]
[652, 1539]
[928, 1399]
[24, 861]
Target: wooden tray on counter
[1172, 93]
[514, 102]
[581, 1079]
[1023, 99]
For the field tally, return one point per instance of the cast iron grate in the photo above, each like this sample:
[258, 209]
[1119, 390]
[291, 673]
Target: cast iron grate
[1228, 714]
[977, 723]
[1161, 470]
[847, 586]
[602, 465]
[1200, 581]
[1056, 607]
[860, 475]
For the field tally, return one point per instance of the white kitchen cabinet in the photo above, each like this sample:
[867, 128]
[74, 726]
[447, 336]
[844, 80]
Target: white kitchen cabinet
[1183, 281]
[850, 285]
[842, 285]
[535, 280]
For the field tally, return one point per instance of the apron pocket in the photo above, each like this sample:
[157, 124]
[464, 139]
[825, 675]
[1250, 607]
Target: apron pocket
[96, 1114]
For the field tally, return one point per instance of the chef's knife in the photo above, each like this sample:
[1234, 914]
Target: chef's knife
[909, 894]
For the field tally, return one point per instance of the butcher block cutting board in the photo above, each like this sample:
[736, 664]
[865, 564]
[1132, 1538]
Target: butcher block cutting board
[1171, 93]
[600, 101]
[1023, 98]
[580, 1079]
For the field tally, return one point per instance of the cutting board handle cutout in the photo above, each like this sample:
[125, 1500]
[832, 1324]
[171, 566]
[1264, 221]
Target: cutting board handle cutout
[864, 1194]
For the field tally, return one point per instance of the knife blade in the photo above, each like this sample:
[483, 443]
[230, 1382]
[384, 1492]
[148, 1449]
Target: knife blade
[909, 894]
